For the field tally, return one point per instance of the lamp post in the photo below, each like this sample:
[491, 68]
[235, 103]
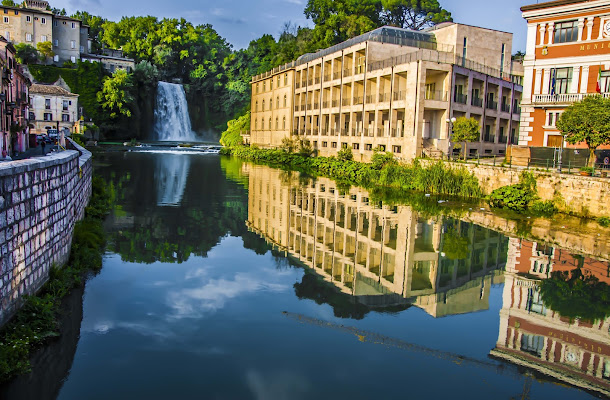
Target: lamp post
[450, 121]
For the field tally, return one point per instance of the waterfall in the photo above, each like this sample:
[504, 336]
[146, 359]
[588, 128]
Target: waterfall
[171, 173]
[172, 121]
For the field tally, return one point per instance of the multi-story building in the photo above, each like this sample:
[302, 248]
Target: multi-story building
[111, 60]
[567, 51]
[379, 255]
[52, 107]
[33, 23]
[13, 102]
[393, 89]
[532, 335]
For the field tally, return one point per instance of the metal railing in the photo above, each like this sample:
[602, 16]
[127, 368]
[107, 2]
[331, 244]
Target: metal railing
[384, 97]
[563, 97]
[337, 75]
[347, 72]
[345, 102]
[477, 102]
[505, 107]
[437, 95]
[335, 103]
[399, 95]
[460, 98]
[357, 100]
[491, 105]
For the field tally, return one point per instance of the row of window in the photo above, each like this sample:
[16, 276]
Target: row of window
[356, 146]
[43, 20]
[271, 83]
[65, 104]
[277, 123]
[271, 103]
[49, 117]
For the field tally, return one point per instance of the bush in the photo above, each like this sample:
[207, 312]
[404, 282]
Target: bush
[345, 154]
[516, 197]
[545, 208]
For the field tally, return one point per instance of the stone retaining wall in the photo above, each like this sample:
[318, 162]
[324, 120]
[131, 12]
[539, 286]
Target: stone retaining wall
[580, 195]
[40, 201]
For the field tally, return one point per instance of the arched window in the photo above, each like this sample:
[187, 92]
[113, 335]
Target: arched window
[269, 123]
[277, 123]
[263, 105]
[285, 79]
[285, 101]
[255, 123]
[271, 103]
[277, 102]
[264, 86]
[270, 84]
[278, 81]
[256, 109]
[257, 85]
[284, 123]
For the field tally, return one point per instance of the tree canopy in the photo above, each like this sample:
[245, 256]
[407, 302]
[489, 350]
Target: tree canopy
[587, 121]
[115, 96]
[26, 54]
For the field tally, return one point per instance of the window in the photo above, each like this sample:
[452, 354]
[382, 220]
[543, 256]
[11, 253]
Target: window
[31, 116]
[381, 147]
[255, 123]
[263, 105]
[47, 104]
[333, 145]
[396, 149]
[257, 88]
[82, 49]
[6, 20]
[64, 22]
[28, 18]
[277, 123]
[256, 107]
[56, 58]
[5, 11]
[271, 84]
[285, 79]
[368, 147]
[566, 32]
[324, 144]
[65, 117]
[269, 123]
[285, 101]
[271, 103]
[552, 118]
[604, 84]
[65, 105]
[284, 123]
[278, 81]
[356, 146]
[28, 37]
[264, 86]
[73, 59]
[277, 102]
[16, 12]
[72, 44]
[344, 145]
[73, 25]
[43, 20]
[48, 117]
[561, 80]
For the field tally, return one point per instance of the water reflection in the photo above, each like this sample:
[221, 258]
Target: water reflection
[171, 173]
[381, 256]
[575, 351]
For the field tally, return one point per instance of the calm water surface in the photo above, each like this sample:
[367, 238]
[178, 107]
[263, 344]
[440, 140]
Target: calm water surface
[226, 280]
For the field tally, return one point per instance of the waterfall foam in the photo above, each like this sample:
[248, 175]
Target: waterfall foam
[172, 121]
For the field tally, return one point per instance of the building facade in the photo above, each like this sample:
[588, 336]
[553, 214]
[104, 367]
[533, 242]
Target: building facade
[567, 57]
[52, 107]
[111, 60]
[67, 39]
[393, 89]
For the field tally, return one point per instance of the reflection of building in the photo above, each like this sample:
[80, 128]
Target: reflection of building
[567, 54]
[381, 255]
[576, 352]
[395, 89]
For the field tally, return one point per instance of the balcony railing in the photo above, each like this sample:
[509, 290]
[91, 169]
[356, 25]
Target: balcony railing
[316, 106]
[380, 132]
[477, 102]
[565, 98]
[337, 75]
[310, 82]
[345, 102]
[308, 106]
[347, 72]
[370, 99]
[317, 80]
[327, 77]
[437, 95]
[296, 108]
[400, 95]
[491, 105]
[460, 98]
[398, 132]
[384, 97]
[333, 132]
[325, 104]
[357, 99]
[335, 103]
[302, 107]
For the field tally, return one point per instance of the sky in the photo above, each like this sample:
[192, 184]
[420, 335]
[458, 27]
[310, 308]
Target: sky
[240, 21]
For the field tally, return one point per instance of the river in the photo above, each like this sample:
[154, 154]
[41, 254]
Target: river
[228, 280]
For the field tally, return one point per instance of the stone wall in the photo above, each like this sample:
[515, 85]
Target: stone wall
[40, 201]
[575, 194]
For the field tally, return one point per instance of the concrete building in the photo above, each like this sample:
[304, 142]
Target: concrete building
[575, 352]
[52, 107]
[66, 39]
[567, 49]
[393, 89]
[111, 60]
[381, 256]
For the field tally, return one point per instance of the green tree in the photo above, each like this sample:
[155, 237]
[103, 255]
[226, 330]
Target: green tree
[115, 96]
[45, 49]
[26, 54]
[232, 136]
[587, 121]
[414, 14]
[465, 130]
[8, 3]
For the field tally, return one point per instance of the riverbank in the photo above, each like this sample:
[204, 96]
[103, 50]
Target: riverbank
[37, 320]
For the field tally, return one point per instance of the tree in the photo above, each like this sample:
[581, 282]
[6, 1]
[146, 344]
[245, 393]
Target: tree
[414, 14]
[115, 95]
[465, 130]
[26, 54]
[8, 3]
[587, 121]
[45, 49]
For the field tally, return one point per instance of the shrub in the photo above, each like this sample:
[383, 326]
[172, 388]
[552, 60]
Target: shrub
[345, 154]
[516, 197]
[545, 208]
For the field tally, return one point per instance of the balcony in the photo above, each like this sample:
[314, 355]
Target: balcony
[347, 72]
[310, 82]
[337, 75]
[564, 98]
[317, 80]
[357, 99]
[398, 132]
[308, 107]
[316, 106]
[345, 102]
[505, 107]
[327, 77]
[297, 85]
[491, 105]
[302, 107]
[400, 95]
[460, 98]
[370, 99]
[325, 104]
[296, 108]
[477, 102]
[436, 95]
[384, 97]
[335, 103]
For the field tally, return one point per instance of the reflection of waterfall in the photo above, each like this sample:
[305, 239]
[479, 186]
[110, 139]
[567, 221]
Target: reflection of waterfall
[170, 174]
[172, 121]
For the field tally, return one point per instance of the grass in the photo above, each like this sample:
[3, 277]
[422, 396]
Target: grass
[36, 322]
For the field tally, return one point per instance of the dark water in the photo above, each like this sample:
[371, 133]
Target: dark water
[226, 280]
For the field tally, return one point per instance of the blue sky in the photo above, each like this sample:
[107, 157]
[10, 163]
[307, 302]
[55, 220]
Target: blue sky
[241, 21]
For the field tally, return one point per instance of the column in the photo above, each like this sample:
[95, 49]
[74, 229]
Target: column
[530, 48]
[545, 81]
[584, 79]
[544, 348]
[575, 79]
[541, 29]
[552, 352]
[550, 38]
[590, 27]
[581, 25]
[538, 81]
[601, 28]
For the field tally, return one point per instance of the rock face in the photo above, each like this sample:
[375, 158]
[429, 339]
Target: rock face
[40, 201]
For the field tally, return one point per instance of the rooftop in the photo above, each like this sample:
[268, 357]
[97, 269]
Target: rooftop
[38, 88]
[549, 4]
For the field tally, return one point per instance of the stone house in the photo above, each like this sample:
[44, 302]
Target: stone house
[52, 107]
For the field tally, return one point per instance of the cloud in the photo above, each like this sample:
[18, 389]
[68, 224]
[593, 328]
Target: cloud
[277, 385]
[298, 2]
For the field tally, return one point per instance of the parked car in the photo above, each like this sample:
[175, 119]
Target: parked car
[52, 134]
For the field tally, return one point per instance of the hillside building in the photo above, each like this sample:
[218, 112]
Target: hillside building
[393, 89]
[52, 107]
[567, 59]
